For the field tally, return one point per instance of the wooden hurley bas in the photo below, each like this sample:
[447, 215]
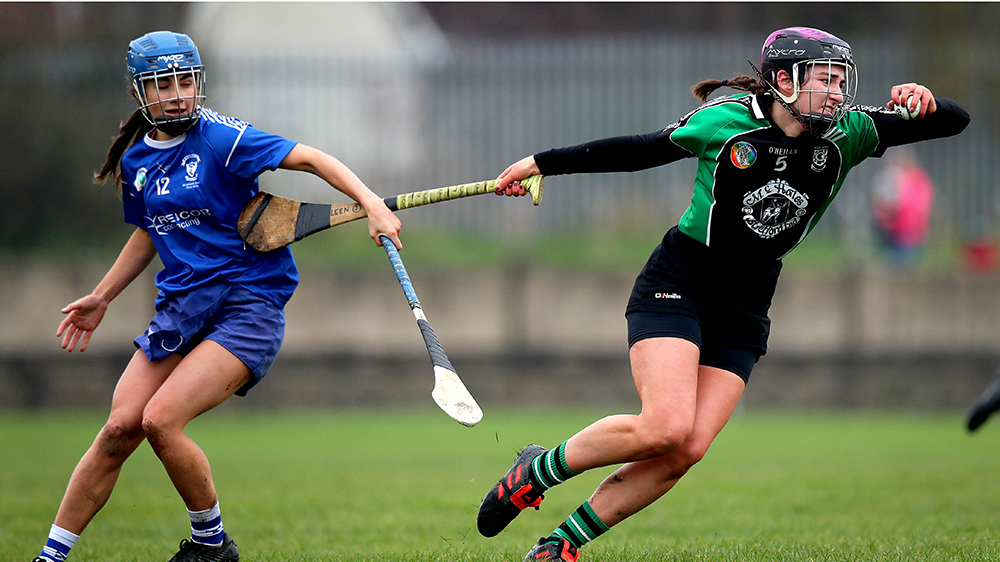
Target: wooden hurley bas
[269, 222]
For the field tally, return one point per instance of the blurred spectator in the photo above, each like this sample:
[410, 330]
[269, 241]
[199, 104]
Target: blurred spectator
[902, 198]
[979, 250]
[980, 253]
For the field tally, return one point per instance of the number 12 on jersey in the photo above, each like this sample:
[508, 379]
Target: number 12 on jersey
[161, 186]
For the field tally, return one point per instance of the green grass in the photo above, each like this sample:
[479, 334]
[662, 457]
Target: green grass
[382, 485]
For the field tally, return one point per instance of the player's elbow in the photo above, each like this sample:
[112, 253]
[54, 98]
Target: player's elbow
[301, 158]
[955, 117]
[960, 120]
[963, 121]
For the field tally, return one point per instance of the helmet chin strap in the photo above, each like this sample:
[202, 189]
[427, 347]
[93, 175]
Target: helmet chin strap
[784, 100]
[174, 127]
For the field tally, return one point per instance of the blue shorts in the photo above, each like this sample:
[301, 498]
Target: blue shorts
[247, 325]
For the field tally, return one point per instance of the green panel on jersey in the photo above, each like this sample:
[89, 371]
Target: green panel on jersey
[705, 133]
[757, 190]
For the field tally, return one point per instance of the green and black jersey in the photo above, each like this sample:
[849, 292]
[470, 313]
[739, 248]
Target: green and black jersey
[757, 192]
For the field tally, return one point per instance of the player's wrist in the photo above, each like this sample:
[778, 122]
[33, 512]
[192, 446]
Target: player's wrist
[103, 297]
[371, 203]
[532, 166]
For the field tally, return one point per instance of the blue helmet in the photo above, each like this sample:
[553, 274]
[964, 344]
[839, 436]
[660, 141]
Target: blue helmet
[167, 59]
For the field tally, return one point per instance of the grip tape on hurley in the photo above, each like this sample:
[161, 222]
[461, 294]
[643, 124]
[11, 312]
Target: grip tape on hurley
[434, 349]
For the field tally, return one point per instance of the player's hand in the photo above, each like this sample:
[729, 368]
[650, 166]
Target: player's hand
[83, 317]
[901, 93]
[508, 183]
[382, 222]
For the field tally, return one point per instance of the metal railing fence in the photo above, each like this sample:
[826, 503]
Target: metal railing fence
[405, 122]
[412, 121]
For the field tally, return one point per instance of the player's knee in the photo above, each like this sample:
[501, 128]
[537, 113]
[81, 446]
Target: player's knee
[150, 427]
[155, 427]
[678, 462]
[659, 441]
[118, 440]
[690, 454]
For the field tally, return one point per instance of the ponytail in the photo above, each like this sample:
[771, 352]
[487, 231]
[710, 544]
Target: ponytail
[136, 126]
[703, 89]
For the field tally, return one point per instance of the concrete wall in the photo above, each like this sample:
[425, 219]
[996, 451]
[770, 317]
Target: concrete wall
[517, 307]
[864, 339]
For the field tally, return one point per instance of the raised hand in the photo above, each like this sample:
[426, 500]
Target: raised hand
[900, 95]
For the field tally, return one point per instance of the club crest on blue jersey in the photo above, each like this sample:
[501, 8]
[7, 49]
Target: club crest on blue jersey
[743, 155]
[140, 179]
[190, 163]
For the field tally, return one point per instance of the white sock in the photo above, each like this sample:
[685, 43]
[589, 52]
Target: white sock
[59, 544]
[206, 526]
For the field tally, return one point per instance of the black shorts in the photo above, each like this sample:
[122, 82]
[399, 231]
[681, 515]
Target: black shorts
[735, 359]
[719, 303]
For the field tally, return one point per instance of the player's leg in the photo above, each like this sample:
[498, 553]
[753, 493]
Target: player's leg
[984, 406]
[206, 377]
[97, 472]
[640, 483]
[240, 342]
[665, 370]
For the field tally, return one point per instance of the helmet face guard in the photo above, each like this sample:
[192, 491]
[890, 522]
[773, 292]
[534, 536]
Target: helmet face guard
[801, 52]
[160, 57]
[820, 123]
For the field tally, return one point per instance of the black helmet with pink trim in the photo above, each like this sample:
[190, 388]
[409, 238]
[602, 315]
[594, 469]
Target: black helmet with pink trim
[798, 49]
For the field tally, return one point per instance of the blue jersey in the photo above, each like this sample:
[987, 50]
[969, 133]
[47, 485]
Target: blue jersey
[187, 193]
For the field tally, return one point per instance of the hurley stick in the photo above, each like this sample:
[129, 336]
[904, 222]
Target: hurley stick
[449, 393]
[269, 222]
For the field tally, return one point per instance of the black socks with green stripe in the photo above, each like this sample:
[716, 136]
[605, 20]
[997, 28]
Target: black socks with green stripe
[550, 468]
[581, 527]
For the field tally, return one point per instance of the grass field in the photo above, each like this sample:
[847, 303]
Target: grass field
[381, 485]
